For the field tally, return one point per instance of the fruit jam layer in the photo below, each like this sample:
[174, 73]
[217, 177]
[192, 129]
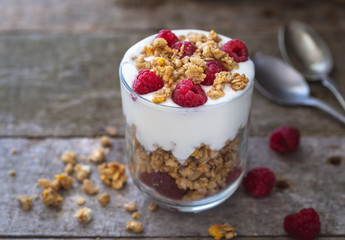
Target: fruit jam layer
[204, 173]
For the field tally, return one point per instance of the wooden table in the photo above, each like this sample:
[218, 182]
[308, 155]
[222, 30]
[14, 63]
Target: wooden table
[59, 90]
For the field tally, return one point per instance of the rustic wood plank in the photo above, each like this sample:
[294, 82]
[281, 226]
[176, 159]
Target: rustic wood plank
[80, 16]
[313, 183]
[61, 85]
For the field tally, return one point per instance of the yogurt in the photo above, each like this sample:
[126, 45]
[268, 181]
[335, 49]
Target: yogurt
[178, 129]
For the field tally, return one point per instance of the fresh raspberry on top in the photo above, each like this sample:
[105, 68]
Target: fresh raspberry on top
[188, 47]
[146, 82]
[236, 49]
[304, 225]
[259, 182]
[189, 94]
[168, 35]
[284, 139]
[166, 185]
[213, 67]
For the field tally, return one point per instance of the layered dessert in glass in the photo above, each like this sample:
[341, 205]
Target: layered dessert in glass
[186, 96]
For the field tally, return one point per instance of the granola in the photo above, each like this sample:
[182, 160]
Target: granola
[97, 156]
[69, 157]
[130, 207]
[84, 215]
[136, 215]
[204, 173]
[134, 226]
[80, 201]
[172, 66]
[152, 207]
[106, 141]
[103, 199]
[26, 202]
[113, 174]
[225, 230]
[82, 171]
[89, 188]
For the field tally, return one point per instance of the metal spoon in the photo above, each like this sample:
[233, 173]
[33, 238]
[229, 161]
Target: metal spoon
[281, 83]
[308, 52]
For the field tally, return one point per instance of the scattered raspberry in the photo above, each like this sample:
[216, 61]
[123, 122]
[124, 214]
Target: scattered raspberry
[188, 47]
[259, 182]
[304, 225]
[168, 35]
[146, 82]
[284, 139]
[236, 49]
[189, 94]
[213, 67]
[165, 185]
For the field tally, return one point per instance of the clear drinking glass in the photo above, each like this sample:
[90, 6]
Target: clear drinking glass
[205, 178]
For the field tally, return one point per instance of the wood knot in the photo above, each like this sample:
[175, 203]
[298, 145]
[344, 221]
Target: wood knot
[335, 160]
[282, 185]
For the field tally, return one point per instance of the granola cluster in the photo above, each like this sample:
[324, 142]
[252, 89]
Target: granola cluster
[173, 66]
[203, 174]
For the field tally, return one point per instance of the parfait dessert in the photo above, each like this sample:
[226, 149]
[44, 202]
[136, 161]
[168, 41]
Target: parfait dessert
[186, 96]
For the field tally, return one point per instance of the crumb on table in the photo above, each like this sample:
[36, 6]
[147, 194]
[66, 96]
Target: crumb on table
[136, 215]
[103, 199]
[134, 226]
[222, 230]
[12, 173]
[152, 206]
[83, 215]
[106, 141]
[113, 174]
[98, 155]
[130, 207]
[26, 202]
[69, 157]
[80, 200]
[89, 188]
[111, 131]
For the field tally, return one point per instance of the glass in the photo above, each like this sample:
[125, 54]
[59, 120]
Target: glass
[205, 178]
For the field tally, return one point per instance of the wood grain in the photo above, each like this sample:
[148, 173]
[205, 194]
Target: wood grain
[313, 182]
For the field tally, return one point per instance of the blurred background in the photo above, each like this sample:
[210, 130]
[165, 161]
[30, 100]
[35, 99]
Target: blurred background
[59, 59]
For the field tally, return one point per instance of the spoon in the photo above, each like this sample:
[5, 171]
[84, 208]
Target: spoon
[281, 83]
[308, 52]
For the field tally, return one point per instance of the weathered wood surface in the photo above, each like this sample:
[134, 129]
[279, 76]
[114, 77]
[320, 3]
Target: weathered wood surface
[59, 59]
[59, 87]
[69, 86]
[313, 182]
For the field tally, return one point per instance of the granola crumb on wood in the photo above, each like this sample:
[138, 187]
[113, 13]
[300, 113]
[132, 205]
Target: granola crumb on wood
[130, 207]
[152, 206]
[80, 201]
[103, 199]
[136, 215]
[69, 157]
[113, 174]
[12, 173]
[106, 141]
[84, 215]
[225, 230]
[89, 188]
[98, 155]
[26, 202]
[134, 227]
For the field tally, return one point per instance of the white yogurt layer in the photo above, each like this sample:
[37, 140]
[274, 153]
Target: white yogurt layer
[179, 129]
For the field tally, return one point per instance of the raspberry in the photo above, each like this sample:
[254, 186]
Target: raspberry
[236, 49]
[165, 185]
[147, 82]
[284, 139]
[304, 225]
[189, 94]
[188, 47]
[213, 67]
[259, 182]
[168, 35]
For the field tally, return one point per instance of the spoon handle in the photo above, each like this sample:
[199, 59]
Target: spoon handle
[313, 102]
[332, 86]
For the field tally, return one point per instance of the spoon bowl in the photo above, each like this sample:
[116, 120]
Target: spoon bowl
[304, 48]
[281, 83]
